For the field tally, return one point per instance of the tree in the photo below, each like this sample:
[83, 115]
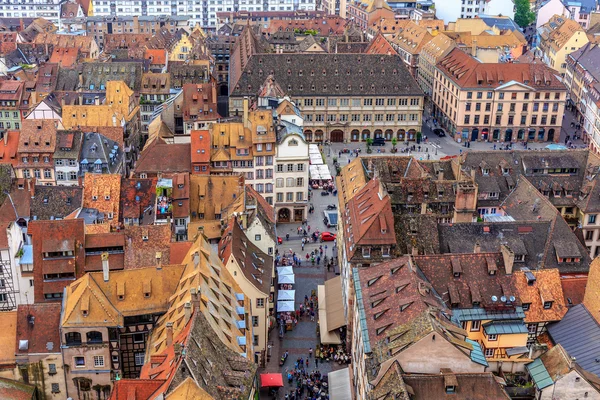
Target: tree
[523, 14]
[394, 142]
[369, 144]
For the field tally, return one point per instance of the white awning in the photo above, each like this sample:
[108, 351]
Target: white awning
[326, 336]
[288, 270]
[284, 306]
[319, 171]
[286, 295]
[339, 385]
[286, 279]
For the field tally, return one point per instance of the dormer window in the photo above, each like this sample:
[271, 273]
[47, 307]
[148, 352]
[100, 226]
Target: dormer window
[450, 389]
[557, 193]
[366, 252]
[526, 306]
[548, 305]
[94, 198]
[385, 251]
[145, 237]
[485, 171]
[505, 171]
[107, 197]
[519, 258]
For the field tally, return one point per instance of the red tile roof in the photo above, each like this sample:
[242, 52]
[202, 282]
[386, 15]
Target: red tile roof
[200, 146]
[136, 196]
[8, 42]
[573, 289]
[39, 324]
[66, 57]
[267, 209]
[380, 45]
[135, 389]
[8, 147]
[200, 101]
[370, 218]
[179, 250]
[156, 56]
[161, 157]
[467, 72]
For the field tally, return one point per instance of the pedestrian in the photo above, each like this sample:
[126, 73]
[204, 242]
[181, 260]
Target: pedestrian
[310, 351]
[318, 260]
[307, 363]
[312, 316]
[302, 244]
[309, 228]
[316, 362]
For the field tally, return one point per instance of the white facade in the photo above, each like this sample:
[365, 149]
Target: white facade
[48, 9]
[548, 10]
[44, 111]
[203, 12]
[291, 174]
[16, 261]
[451, 10]
[67, 171]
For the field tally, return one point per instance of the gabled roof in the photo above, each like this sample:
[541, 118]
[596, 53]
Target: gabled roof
[380, 45]
[137, 198]
[90, 301]
[143, 242]
[546, 287]
[55, 202]
[103, 192]
[369, 218]
[135, 389]
[480, 386]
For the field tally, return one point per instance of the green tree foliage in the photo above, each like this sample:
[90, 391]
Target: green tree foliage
[523, 14]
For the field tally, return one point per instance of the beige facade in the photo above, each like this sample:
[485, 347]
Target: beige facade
[497, 102]
[355, 119]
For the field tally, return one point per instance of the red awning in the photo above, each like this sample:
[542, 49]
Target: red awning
[271, 380]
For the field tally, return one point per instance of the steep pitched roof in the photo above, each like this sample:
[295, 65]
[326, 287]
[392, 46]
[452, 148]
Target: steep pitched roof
[546, 287]
[144, 242]
[135, 389]
[162, 157]
[370, 218]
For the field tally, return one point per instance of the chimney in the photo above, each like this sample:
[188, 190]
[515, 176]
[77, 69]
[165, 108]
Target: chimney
[474, 48]
[105, 269]
[195, 298]
[158, 260]
[509, 258]
[214, 92]
[5, 138]
[441, 176]
[136, 24]
[477, 248]
[187, 309]
[245, 116]
[97, 100]
[415, 251]
[169, 333]
[473, 173]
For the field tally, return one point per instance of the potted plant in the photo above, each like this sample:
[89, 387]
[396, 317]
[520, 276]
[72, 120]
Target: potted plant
[369, 142]
[394, 143]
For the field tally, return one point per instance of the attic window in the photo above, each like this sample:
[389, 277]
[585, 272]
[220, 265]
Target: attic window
[145, 237]
[371, 282]
[547, 305]
[380, 314]
[107, 197]
[405, 306]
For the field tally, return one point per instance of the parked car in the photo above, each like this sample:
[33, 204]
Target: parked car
[439, 132]
[379, 141]
[327, 237]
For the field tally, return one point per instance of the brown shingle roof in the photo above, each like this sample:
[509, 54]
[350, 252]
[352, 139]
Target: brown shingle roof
[39, 324]
[546, 287]
[161, 157]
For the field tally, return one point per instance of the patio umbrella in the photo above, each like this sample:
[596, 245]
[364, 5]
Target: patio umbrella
[271, 380]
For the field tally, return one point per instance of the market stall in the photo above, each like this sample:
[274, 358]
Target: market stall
[271, 380]
[285, 306]
[286, 279]
[286, 295]
[287, 270]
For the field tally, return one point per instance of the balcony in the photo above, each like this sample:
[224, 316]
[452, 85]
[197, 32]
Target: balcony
[164, 199]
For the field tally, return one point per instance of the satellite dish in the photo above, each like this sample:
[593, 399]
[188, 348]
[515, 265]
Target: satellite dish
[512, 299]
[503, 299]
[494, 299]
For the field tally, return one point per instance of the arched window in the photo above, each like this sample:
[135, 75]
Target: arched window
[73, 338]
[94, 337]
[293, 142]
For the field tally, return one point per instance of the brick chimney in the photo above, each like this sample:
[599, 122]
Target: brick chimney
[477, 248]
[159, 260]
[187, 309]
[169, 333]
[195, 298]
[105, 268]
[509, 258]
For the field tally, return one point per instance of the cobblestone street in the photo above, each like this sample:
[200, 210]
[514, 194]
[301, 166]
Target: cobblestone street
[304, 336]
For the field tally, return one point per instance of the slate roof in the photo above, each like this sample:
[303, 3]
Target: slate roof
[586, 56]
[357, 75]
[256, 266]
[38, 324]
[532, 237]
[474, 283]
[97, 149]
[579, 334]
[55, 202]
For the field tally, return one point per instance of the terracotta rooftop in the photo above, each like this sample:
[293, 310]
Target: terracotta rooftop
[573, 289]
[467, 72]
[179, 251]
[482, 386]
[159, 156]
[369, 218]
[200, 102]
[143, 242]
[545, 287]
[8, 338]
[557, 32]
[137, 198]
[200, 147]
[135, 389]
[8, 147]
[37, 136]
[39, 325]
[380, 45]
[103, 192]
[91, 301]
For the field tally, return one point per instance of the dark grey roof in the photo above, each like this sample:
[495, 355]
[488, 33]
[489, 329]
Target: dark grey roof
[55, 202]
[94, 76]
[530, 237]
[588, 56]
[96, 150]
[579, 334]
[500, 23]
[325, 74]
[187, 73]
